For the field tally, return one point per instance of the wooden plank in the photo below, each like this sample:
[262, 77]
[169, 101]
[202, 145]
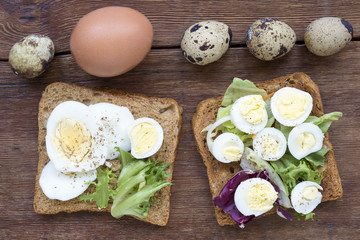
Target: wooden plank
[169, 18]
[166, 73]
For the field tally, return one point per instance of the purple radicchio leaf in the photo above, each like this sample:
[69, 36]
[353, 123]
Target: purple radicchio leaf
[225, 200]
[283, 213]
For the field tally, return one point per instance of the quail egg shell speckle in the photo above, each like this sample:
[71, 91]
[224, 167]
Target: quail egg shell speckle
[328, 35]
[270, 38]
[206, 42]
[32, 55]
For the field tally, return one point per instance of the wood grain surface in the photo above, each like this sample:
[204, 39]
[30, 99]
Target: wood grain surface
[165, 73]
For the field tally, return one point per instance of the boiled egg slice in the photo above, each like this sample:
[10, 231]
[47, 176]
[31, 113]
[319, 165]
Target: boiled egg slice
[249, 114]
[291, 106]
[306, 196]
[146, 137]
[116, 121]
[61, 186]
[304, 139]
[270, 144]
[255, 196]
[75, 141]
[228, 147]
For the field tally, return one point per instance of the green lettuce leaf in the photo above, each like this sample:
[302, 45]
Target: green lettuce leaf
[138, 181]
[293, 171]
[271, 118]
[284, 129]
[103, 192]
[324, 121]
[239, 88]
[307, 216]
[318, 158]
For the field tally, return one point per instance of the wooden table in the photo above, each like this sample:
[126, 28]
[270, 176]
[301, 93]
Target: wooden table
[165, 73]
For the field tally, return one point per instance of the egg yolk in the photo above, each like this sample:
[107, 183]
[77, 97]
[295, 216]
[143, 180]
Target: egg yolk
[270, 146]
[292, 105]
[305, 141]
[72, 139]
[261, 197]
[232, 153]
[144, 137]
[252, 110]
[310, 193]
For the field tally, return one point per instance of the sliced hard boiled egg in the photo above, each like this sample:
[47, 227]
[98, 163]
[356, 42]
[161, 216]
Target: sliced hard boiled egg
[75, 141]
[61, 186]
[116, 121]
[291, 106]
[146, 136]
[249, 114]
[305, 139]
[306, 196]
[227, 148]
[270, 144]
[255, 196]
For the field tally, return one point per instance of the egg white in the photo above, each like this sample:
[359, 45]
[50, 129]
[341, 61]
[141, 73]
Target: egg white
[97, 153]
[223, 141]
[240, 196]
[288, 122]
[273, 134]
[116, 121]
[300, 204]
[302, 128]
[158, 141]
[239, 121]
[61, 186]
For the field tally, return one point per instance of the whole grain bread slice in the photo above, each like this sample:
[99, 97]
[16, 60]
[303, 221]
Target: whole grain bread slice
[164, 110]
[219, 173]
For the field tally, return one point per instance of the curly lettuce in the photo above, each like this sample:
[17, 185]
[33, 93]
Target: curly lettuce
[138, 181]
[293, 171]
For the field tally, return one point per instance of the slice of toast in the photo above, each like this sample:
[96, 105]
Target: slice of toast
[219, 173]
[164, 110]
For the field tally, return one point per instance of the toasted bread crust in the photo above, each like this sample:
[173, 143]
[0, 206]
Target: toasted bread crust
[219, 173]
[165, 110]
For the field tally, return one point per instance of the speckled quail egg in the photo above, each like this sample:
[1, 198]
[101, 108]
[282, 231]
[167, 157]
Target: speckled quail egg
[255, 196]
[227, 148]
[291, 106]
[270, 144]
[304, 139]
[32, 55]
[248, 114]
[206, 42]
[328, 35]
[270, 38]
[306, 196]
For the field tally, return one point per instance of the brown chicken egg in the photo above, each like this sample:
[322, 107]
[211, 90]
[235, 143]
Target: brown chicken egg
[111, 41]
